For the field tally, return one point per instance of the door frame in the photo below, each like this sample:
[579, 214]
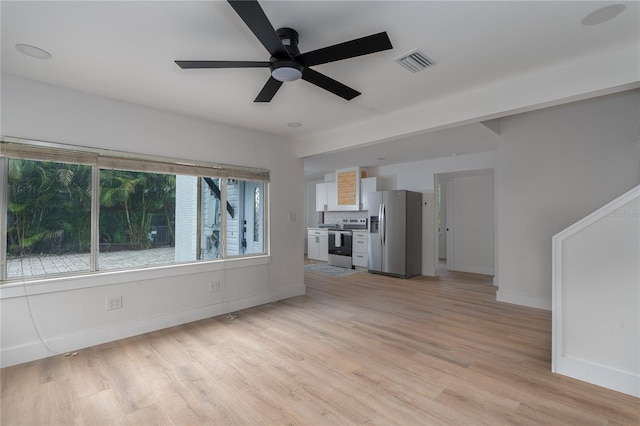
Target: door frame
[444, 181]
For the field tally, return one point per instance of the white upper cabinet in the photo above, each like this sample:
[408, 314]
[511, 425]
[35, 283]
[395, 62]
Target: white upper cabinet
[321, 197]
[327, 197]
[367, 185]
[332, 196]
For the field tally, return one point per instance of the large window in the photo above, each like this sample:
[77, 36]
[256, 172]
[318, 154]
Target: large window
[74, 211]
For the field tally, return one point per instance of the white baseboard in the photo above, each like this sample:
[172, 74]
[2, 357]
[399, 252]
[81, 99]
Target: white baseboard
[483, 270]
[122, 330]
[599, 375]
[519, 299]
[262, 298]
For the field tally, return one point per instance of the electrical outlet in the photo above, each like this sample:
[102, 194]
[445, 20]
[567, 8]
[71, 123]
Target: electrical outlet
[114, 303]
[214, 286]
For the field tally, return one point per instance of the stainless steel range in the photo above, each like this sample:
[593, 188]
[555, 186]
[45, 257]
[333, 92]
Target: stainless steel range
[341, 242]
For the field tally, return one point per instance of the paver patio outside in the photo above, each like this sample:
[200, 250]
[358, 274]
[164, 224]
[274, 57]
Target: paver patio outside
[34, 265]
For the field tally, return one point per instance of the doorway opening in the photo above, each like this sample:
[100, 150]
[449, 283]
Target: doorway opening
[465, 240]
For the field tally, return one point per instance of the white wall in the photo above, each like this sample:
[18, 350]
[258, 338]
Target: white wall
[556, 166]
[418, 175]
[70, 313]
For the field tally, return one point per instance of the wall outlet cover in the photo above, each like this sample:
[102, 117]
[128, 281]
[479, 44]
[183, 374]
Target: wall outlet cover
[114, 303]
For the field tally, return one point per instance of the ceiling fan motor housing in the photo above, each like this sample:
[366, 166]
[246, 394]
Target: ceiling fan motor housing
[289, 38]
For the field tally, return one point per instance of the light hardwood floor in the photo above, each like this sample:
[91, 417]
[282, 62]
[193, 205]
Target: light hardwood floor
[363, 349]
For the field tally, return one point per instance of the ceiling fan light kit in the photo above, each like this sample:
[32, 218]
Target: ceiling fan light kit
[286, 71]
[287, 63]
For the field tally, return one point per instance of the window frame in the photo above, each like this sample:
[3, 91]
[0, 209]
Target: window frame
[100, 159]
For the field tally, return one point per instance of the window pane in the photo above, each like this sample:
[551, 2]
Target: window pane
[197, 227]
[48, 218]
[245, 229]
[257, 213]
[137, 219]
[186, 218]
[210, 219]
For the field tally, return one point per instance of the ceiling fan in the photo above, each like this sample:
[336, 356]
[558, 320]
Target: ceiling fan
[286, 62]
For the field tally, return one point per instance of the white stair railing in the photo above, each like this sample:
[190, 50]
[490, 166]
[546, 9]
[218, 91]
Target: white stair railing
[596, 297]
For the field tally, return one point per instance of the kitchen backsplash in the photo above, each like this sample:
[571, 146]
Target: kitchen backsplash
[338, 217]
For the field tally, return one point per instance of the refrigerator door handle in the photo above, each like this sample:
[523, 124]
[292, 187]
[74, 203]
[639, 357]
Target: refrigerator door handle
[380, 222]
[383, 225]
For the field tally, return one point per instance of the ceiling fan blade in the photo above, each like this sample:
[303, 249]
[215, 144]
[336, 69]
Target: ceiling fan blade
[269, 90]
[327, 83]
[253, 16]
[222, 64]
[348, 49]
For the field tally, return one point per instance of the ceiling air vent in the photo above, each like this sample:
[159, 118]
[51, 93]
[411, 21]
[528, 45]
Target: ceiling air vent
[414, 61]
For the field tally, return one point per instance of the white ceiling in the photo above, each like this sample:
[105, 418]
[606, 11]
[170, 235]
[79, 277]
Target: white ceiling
[125, 50]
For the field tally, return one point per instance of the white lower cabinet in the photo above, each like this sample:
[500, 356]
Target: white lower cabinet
[360, 248]
[318, 244]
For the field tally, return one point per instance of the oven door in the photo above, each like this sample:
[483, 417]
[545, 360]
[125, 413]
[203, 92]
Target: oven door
[340, 243]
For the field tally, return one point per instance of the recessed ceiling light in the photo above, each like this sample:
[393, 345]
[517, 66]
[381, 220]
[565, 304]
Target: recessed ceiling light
[34, 52]
[603, 14]
[294, 124]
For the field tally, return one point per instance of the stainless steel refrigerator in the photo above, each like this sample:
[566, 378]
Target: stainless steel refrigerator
[395, 233]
